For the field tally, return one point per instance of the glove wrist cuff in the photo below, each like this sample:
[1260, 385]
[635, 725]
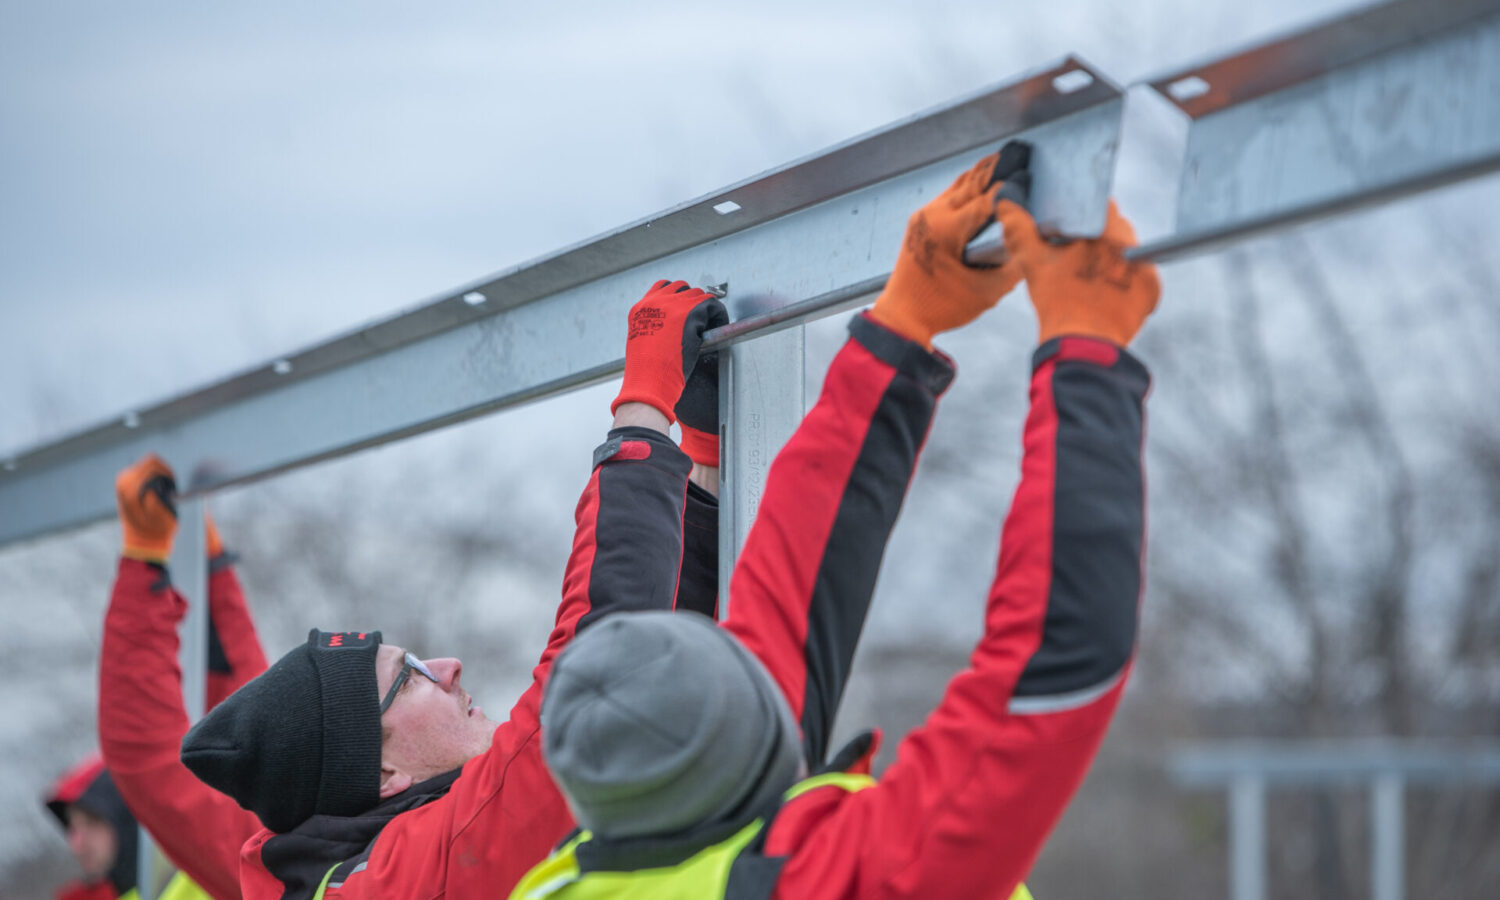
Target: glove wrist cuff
[700, 446]
[898, 317]
[148, 551]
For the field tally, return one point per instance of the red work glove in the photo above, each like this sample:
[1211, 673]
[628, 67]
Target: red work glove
[666, 332]
[146, 496]
[931, 288]
[1083, 287]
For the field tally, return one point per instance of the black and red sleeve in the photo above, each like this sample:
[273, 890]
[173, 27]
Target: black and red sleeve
[235, 654]
[627, 543]
[698, 583]
[802, 586]
[1016, 732]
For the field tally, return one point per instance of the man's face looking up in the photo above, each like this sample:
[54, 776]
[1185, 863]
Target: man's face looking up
[430, 727]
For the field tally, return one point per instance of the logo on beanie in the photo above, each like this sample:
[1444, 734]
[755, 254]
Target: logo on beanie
[346, 640]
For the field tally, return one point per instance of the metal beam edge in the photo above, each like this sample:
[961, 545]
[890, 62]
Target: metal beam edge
[809, 262]
[1309, 52]
[926, 137]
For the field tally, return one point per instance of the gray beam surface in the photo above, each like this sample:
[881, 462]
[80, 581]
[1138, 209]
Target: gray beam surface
[1387, 102]
[817, 233]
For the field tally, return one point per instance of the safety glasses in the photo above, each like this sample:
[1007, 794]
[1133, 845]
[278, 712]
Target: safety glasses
[409, 664]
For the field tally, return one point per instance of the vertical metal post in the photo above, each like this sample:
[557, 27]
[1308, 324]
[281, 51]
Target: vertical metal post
[1247, 838]
[189, 570]
[1387, 838]
[761, 388]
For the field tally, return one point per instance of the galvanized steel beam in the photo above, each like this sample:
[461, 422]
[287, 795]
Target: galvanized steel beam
[815, 229]
[1365, 109]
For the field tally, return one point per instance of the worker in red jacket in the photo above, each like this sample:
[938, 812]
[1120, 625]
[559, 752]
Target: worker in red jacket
[372, 770]
[713, 783]
[104, 837]
[141, 714]
[100, 830]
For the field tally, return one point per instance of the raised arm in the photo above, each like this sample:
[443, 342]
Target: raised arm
[235, 654]
[802, 586]
[628, 543]
[976, 790]
[141, 714]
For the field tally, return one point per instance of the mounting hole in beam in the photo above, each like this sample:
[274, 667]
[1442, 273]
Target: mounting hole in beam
[474, 298]
[281, 366]
[1189, 88]
[1072, 81]
[727, 207]
[131, 420]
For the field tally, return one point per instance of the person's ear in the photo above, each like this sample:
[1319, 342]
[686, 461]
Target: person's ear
[392, 781]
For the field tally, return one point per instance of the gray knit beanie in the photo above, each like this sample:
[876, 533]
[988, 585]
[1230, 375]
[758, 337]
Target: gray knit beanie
[655, 722]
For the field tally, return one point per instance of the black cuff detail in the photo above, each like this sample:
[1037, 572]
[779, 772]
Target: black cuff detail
[164, 581]
[706, 514]
[932, 370]
[223, 561]
[1100, 352]
[849, 754]
[664, 450]
[218, 660]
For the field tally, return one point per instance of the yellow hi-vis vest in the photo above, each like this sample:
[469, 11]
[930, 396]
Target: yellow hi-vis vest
[705, 874]
[180, 887]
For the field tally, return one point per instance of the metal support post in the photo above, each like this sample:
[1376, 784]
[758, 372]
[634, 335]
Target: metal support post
[1247, 838]
[761, 388]
[188, 568]
[189, 571]
[1387, 837]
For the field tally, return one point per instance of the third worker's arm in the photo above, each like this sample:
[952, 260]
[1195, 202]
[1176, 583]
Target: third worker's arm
[976, 790]
[802, 585]
[235, 654]
[141, 714]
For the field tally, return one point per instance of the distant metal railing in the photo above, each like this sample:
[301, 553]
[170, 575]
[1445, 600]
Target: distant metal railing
[1248, 769]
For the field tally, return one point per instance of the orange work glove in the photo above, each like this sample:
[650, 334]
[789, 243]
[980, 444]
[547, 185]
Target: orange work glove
[1083, 287]
[931, 288]
[211, 537]
[146, 496]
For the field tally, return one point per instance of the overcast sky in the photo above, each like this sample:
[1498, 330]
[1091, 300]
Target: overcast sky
[190, 189]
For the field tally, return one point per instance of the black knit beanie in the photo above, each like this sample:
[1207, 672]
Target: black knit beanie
[302, 738]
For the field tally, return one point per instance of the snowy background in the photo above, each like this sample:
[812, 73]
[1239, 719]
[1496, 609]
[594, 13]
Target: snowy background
[187, 190]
